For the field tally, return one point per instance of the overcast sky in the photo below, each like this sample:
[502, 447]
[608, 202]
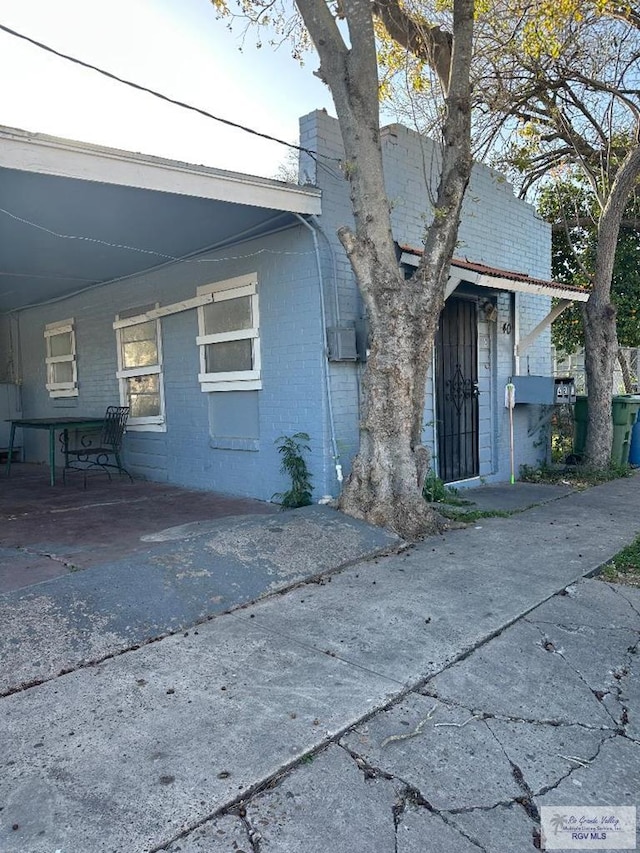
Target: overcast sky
[174, 46]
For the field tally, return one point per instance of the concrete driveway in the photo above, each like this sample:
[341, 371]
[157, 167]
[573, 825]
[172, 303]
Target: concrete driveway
[430, 700]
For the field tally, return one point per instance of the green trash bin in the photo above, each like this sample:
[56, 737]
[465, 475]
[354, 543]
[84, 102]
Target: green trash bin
[580, 416]
[624, 409]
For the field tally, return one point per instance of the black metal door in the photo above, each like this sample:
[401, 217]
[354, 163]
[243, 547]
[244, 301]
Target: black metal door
[457, 390]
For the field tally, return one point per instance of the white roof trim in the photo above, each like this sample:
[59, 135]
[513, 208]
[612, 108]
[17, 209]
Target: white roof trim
[50, 155]
[498, 283]
[493, 282]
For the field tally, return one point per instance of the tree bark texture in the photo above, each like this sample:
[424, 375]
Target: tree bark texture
[601, 342]
[385, 484]
[627, 379]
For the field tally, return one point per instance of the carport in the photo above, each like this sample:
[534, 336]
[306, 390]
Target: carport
[47, 533]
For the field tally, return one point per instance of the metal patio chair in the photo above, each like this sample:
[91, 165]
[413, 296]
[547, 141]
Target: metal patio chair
[105, 454]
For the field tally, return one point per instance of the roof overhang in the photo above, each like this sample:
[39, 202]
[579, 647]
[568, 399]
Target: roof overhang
[51, 155]
[75, 215]
[493, 278]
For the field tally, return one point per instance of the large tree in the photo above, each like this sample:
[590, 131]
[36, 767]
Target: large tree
[568, 203]
[386, 479]
[567, 76]
[557, 85]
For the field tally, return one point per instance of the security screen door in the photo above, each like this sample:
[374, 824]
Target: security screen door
[457, 390]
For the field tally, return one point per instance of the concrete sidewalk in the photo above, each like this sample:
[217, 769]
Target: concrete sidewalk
[201, 741]
[174, 579]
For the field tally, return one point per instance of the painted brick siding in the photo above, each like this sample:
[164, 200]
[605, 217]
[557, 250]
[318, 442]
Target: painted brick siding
[292, 398]
[497, 229]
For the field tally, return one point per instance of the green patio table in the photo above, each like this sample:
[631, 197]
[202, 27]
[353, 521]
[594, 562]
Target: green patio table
[53, 425]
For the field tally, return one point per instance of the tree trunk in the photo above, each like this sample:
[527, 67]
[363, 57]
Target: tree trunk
[600, 350]
[601, 343]
[385, 484]
[627, 379]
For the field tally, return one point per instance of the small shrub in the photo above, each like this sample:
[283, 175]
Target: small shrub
[562, 433]
[578, 476]
[625, 566]
[435, 491]
[292, 449]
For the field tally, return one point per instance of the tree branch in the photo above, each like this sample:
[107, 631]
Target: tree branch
[429, 43]
[633, 224]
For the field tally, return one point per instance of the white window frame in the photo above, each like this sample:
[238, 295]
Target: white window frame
[236, 380]
[61, 389]
[154, 423]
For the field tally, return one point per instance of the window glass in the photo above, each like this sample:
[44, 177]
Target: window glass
[229, 315]
[229, 336]
[60, 359]
[61, 371]
[60, 344]
[143, 395]
[139, 345]
[140, 371]
[228, 357]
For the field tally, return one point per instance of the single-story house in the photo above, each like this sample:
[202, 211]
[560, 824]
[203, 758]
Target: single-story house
[222, 309]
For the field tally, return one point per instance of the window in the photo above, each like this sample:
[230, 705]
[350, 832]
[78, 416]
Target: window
[62, 371]
[228, 338]
[140, 371]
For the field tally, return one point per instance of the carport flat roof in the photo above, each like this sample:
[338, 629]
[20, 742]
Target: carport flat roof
[73, 214]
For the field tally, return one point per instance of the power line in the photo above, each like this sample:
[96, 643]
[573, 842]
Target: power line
[182, 258]
[162, 97]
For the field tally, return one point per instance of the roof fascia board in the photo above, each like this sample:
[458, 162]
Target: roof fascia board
[494, 282]
[70, 159]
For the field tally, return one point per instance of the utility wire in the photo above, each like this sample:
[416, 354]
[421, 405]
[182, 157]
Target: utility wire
[185, 258]
[162, 97]
[191, 258]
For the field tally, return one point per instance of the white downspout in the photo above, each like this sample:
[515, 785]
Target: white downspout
[325, 368]
[336, 297]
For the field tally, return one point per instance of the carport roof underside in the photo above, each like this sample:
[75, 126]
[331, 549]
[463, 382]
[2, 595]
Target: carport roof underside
[74, 215]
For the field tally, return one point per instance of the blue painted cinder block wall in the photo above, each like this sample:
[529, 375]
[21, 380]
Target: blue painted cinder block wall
[497, 229]
[190, 452]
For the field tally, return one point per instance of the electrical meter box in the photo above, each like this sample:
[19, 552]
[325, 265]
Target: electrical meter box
[341, 341]
[544, 390]
[565, 389]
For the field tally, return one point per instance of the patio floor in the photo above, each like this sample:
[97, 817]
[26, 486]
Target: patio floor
[49, 531]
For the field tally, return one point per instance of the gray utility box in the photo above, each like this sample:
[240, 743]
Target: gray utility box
[544, 390]
[341, 342]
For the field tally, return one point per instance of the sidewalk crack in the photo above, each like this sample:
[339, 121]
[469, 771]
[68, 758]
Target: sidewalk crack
[411, 795]
[253, 836]
[512, 718]
[549, 646]
[32, 552]
[546, 788]
[617, 588]
[526, 800]
[574, 627]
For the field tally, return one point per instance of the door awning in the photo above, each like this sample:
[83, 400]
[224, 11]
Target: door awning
[494, 278]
